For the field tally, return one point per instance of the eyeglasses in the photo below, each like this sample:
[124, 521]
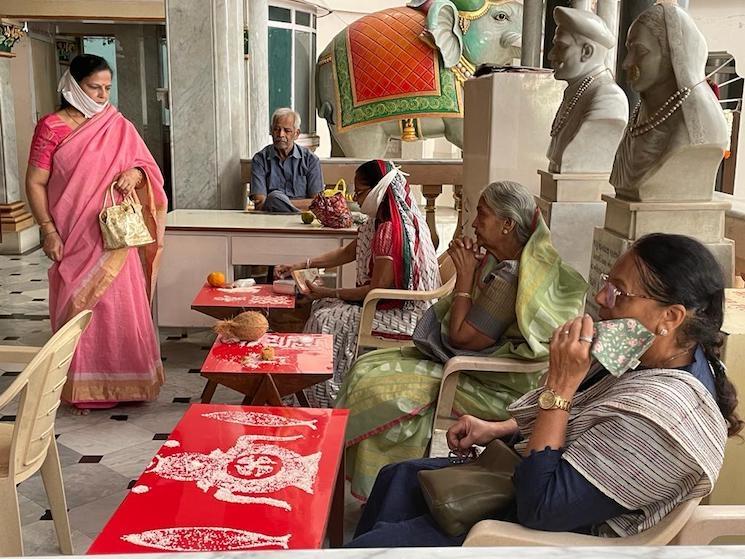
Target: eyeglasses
[611, 292]
[358, 193]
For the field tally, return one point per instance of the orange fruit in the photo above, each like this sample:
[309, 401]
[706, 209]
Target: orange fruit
[216, 279]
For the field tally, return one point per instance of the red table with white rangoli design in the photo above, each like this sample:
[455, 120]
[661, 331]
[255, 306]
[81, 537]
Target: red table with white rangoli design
[235, 478]
[300, 361]
[225, 302]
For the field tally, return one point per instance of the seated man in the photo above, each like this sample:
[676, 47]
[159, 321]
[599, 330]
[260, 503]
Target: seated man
[285, 176]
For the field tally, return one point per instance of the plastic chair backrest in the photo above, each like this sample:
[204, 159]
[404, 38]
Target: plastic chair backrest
[45, 376]
[447, 268]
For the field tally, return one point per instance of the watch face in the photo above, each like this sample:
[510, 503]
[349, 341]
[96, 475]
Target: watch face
[547, 400]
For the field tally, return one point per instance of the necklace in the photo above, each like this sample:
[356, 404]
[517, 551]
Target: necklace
[684, 352]
[668, 109]
[78, 122]
[561, 119]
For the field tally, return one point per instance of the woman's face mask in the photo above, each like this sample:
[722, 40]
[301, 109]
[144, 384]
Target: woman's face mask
[620, 343]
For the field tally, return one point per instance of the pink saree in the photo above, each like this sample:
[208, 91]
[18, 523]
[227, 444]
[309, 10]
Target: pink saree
[118, 357]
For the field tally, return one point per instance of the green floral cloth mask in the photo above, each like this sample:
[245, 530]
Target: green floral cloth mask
[619, 344]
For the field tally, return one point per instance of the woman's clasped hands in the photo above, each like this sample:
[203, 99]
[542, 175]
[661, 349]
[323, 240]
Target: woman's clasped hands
[466, 255]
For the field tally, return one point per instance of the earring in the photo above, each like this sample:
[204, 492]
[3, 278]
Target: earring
[662, 331]
[504, 231]
[634, 73]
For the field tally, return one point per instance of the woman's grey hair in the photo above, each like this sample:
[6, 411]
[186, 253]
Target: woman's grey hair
[511, 200]
[654, 20]
[284, 112]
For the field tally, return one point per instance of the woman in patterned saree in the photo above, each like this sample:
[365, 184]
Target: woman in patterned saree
[76, 154]
[507, 301]
[393, 250]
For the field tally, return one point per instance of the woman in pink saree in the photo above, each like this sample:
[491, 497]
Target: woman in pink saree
[76, 154]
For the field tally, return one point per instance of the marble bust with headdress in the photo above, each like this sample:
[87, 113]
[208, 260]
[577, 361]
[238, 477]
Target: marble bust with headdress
[677, 134]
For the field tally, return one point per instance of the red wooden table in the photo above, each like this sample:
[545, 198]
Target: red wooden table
[224, 302]
[300, 361]
[237, 478]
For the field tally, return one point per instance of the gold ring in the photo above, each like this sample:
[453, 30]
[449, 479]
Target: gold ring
[566, 332]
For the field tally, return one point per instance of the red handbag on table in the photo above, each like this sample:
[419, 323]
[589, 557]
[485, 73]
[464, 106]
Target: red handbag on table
[330, 207]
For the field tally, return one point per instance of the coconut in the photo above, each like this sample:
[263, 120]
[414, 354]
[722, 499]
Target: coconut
[248, 326]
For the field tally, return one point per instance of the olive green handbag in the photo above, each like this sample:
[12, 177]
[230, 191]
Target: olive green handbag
[459, 496]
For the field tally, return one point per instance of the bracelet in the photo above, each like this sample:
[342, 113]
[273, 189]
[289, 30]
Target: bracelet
[46, 234]
[465, 294]
[41, 223]
[307, 263]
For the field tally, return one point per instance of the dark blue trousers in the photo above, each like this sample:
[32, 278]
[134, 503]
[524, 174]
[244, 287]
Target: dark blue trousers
[396, 514]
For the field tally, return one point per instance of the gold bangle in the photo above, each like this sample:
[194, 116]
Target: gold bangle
[465, 294]
[46, 234]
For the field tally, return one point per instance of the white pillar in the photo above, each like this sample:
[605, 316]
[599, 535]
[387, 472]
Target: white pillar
[532, 33]
[207, 99]
[608, 10]
[10, 189]
[258, 74]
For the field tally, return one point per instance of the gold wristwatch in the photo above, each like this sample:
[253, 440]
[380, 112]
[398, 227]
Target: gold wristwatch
[550, 400]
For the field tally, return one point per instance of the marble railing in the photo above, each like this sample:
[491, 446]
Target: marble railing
[430, 174]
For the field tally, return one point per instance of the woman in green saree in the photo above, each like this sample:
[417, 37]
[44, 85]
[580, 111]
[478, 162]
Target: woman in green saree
[512, 290]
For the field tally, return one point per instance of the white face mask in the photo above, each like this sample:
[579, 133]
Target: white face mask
[74, 94]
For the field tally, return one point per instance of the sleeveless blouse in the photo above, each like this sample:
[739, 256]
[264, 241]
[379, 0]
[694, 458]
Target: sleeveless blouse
[49, 133]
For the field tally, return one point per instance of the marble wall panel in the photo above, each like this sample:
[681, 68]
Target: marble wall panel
[10, 188]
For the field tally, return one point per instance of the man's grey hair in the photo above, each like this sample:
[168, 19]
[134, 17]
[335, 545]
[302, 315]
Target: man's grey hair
[511, 200]
[285, 112]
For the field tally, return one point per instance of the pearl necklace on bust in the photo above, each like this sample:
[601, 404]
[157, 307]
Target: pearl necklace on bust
[561, 120]
[668, 109]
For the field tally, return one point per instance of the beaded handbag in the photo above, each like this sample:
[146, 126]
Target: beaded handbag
[122, 225]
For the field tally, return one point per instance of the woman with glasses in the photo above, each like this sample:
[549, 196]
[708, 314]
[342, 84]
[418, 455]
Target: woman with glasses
[602, 454]
[393, 250]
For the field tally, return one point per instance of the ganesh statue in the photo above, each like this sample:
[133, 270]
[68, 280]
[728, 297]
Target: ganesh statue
[399, 73]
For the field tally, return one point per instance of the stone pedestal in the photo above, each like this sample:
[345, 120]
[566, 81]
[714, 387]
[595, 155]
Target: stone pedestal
[626, 221]
[506, 132]
[572, 208]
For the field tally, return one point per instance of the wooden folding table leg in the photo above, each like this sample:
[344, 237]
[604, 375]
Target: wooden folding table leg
[302, 399]
[209, 391]
[336, 514]
[266, 393]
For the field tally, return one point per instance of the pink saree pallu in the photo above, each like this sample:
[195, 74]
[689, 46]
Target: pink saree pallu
[118, 357]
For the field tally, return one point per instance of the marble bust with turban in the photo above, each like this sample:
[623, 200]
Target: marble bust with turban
[677, 134]
[593, 114]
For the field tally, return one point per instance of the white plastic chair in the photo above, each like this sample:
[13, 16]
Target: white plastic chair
[28, 444]
[449, 384]
[366, 338]
[690, 523]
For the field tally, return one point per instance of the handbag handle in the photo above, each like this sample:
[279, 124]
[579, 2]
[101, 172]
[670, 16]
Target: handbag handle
[110, 191]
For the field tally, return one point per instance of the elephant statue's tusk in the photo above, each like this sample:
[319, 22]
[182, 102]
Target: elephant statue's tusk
[512, 39]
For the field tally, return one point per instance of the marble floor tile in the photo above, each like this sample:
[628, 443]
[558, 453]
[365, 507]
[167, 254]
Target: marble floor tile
[104, 437]
[90, 519]
[29, 510]
[39, 538]
[84, 483]
[132, 461]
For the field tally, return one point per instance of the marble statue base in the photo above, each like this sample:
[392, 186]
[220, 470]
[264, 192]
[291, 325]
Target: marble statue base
[506, 131]
[686, 175]
[20, 242]
[572, 207]
[627, 221]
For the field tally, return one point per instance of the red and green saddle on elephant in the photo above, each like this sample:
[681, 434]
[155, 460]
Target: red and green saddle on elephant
[410, 62]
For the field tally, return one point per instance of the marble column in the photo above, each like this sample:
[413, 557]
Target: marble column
[18, 233]
[207, 99]
[608, 10]
[258, 74]
[531, 40]
[550, 26]
[630, 10]
[10, 188]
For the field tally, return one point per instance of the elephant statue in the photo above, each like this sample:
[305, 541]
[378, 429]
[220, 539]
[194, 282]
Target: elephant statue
[399, 73]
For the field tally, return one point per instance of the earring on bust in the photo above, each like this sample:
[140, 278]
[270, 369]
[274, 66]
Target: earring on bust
[504, 231]
[634, 73]
[662, 332]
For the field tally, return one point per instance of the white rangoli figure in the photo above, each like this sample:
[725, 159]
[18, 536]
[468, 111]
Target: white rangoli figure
[247, 468]
[229, 299]
[258, 419]
[204, 539]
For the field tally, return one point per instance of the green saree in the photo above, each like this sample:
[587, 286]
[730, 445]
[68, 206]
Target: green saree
[391, 393]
